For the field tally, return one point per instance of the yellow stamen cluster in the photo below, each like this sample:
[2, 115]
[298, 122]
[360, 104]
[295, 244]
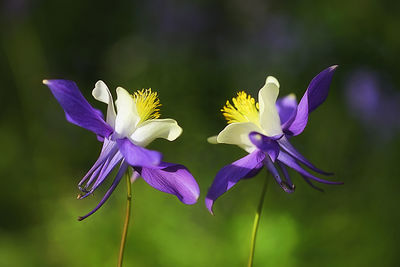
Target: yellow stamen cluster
[244, 109]
[147, 104]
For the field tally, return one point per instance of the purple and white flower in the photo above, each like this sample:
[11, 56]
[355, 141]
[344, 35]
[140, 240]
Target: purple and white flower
[126, 131]
[263, 130]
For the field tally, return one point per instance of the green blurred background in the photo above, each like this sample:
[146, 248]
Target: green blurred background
[197, 55]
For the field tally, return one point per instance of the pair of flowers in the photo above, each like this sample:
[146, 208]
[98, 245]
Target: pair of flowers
[262, 129]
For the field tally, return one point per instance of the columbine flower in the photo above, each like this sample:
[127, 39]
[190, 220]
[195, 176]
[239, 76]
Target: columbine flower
[124, 134]
[263, 129]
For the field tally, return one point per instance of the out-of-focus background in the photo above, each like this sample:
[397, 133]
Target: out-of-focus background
[196, 55]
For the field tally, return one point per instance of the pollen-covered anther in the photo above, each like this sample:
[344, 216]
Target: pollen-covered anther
[147, 104]
[244, 109]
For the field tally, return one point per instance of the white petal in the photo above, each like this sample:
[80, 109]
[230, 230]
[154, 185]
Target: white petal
[158, 128]
[237, 133]
[127, 116]
[212, 140]
[102, 94]
[269, 117]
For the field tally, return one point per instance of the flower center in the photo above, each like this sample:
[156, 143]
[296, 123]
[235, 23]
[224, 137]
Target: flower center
[147, 104]
[244, 109]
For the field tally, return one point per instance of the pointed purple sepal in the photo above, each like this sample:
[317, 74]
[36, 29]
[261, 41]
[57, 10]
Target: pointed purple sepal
[229, 175]
[77, 110]
[138, 156]
[287, 109]
[173, 179]
[314, 96]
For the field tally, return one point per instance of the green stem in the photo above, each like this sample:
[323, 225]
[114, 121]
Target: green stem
[127, 217]
[256, 223]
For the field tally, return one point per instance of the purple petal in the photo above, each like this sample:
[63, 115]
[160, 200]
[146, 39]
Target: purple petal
[138, 156]
[109, 148]
[93, 177]
[286, 174]
[311, 184]
[172, 179]
[229, 175]
[117, 179]
[77, 110]
[254, 171]
[283, 184]
[106, 169]
[265, 144]
[111, 163]
[287, 109]
[287, 146]
[291, 162]
[314, 96]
